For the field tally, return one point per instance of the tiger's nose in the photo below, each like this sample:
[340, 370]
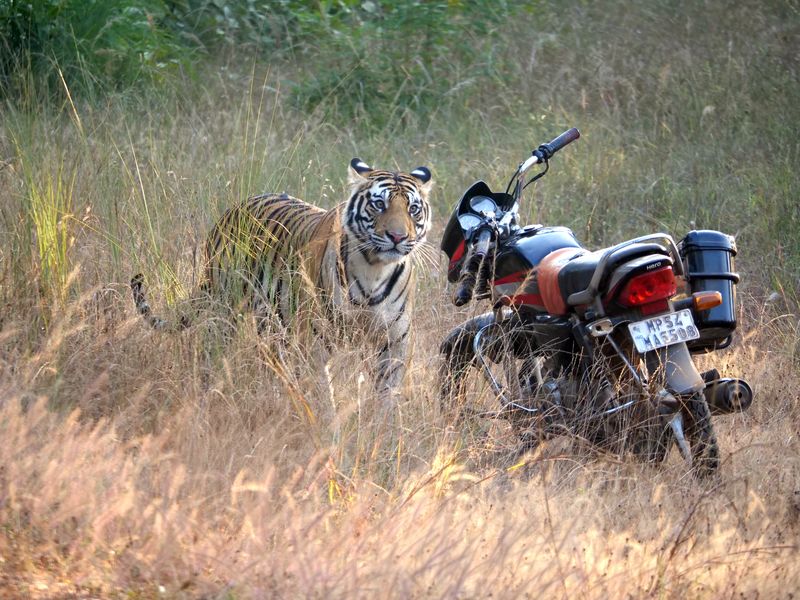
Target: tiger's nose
[396, 237]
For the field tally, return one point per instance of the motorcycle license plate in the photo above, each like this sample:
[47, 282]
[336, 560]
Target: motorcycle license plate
[664, 330]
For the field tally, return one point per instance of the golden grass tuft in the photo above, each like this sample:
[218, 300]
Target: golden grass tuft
[171, 471]
[217, 463]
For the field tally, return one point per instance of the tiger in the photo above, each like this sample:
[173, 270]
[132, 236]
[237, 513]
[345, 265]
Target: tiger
[272, 251]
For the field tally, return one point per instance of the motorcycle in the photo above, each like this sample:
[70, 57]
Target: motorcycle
[594, 344]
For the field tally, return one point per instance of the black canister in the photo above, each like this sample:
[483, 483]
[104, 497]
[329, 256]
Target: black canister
[708, 257]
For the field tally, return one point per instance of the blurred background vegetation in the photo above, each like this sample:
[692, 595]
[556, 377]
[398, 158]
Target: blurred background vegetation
[689, 110]
[363, 57]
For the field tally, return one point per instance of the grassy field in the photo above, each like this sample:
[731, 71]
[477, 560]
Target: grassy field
[141, 464]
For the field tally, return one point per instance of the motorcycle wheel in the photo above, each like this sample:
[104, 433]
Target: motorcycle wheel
[652, 440]
[452, 382]
[531, 429]
[507, 372]
[638, 431]
[701, 437]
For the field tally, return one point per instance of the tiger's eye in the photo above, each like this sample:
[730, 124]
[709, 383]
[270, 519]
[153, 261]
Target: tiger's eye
[378, 204]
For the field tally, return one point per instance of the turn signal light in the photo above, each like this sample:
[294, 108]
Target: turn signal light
[649, 287]
[706, 300]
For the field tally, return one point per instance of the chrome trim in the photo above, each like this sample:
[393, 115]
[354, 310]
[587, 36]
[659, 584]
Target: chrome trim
[600, 328]
[616, 409]
[639, 378]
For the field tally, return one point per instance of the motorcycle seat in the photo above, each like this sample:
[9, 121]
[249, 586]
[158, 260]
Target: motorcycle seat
[568, 271]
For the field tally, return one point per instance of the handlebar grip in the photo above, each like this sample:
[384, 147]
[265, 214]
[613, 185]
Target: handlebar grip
[569, 136]
[481, 247]
[469, 274]
[545, 151]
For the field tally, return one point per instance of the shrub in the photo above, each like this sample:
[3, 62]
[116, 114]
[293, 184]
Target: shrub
[394, 61]
[93, 44]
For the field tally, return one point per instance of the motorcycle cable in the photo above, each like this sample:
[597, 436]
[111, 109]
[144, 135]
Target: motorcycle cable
[539, 175]
[513, 177]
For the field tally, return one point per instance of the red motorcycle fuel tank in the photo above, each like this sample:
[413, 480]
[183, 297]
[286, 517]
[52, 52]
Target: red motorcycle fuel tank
[516, 264]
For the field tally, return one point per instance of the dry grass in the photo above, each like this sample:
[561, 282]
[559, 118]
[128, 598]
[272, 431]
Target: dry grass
[139, 464]
[136, 464]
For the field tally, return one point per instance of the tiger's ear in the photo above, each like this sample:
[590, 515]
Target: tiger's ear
[358, 171]
[424, 175]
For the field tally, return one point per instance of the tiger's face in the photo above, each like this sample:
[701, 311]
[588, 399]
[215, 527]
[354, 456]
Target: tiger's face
[388, 213]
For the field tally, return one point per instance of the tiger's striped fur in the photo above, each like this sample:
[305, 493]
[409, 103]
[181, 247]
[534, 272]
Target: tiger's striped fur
[276, 253]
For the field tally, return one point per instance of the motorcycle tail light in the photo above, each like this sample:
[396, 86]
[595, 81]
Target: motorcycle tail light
[648, 287]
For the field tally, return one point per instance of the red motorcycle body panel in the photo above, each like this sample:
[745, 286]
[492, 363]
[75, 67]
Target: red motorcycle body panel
[549, 269]
[517, 265]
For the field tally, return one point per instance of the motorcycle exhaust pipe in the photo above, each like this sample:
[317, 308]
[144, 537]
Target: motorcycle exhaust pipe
[729, 395]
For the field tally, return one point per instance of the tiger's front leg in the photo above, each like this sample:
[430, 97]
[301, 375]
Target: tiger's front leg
[392, 356]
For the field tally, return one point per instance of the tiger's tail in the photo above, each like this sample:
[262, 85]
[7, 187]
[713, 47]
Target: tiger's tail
[143, 307]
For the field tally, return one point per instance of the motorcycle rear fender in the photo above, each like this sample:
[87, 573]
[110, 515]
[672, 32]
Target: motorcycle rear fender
[682, 377]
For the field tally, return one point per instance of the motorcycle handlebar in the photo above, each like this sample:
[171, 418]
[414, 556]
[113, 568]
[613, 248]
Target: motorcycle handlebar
[473, 275]
[472, 267]
[545, 151]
